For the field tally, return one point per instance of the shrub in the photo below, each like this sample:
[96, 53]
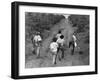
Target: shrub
[40, 21]
[80, 21]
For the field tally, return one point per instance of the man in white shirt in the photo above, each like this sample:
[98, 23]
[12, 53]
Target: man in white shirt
[53, 49]
[60, 42]
[73, 43]
[37, 39]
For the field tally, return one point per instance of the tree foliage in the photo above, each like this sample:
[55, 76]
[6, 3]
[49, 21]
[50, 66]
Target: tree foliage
[40, 21]
[81, 22]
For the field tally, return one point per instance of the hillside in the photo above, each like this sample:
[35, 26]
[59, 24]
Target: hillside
[81, 56]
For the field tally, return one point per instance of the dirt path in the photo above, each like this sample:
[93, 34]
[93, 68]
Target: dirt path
[66, 31]
[46, 59]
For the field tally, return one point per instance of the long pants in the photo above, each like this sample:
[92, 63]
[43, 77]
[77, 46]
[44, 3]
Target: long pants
[73, 46]
[38, 51]
[62, 50]
[54, 58]
[54, 54]
[36, 46]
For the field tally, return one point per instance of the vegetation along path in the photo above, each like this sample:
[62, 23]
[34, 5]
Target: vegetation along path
[45, 59]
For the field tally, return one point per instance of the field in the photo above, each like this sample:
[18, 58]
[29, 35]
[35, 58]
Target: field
[48, 25]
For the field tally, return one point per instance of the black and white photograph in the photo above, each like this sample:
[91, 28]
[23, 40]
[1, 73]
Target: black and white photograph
[50, 40]
[55, 40]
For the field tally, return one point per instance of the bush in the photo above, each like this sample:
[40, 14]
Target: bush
[40, 21]
[80, 21]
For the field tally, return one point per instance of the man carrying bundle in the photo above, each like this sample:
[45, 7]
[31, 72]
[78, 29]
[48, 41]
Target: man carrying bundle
[36, 40]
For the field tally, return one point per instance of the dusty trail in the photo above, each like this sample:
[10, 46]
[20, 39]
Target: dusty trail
[46, 59]
[66, 31]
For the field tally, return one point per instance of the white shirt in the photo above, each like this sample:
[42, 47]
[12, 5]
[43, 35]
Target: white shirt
[60, 41]
[54, 46]
[74, 37]
[37, 38]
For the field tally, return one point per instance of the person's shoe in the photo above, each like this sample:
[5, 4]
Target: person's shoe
[55, 63]
[38, 57]
[59, 59]
[62, 56]
[72, 53]
[33, 52]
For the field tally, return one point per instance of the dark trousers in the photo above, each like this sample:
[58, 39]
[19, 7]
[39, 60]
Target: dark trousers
[71, 44]
[61, 48]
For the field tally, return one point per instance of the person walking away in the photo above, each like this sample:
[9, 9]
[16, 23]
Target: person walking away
[37, 43]
[53, 49]
[73, 43]
[60, 42]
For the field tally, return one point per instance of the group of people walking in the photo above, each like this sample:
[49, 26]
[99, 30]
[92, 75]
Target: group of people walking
[57, 44]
